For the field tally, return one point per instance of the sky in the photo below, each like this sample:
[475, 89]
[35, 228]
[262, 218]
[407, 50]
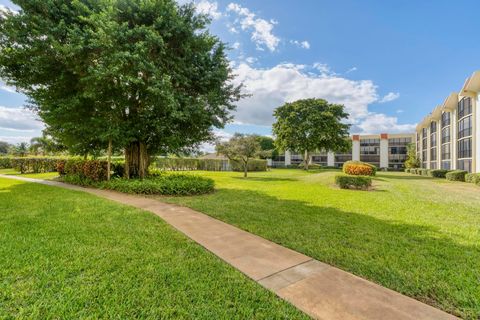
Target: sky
[389, 62]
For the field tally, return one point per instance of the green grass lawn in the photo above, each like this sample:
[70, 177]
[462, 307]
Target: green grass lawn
[71, 255]
[45, 176]
[417, 235]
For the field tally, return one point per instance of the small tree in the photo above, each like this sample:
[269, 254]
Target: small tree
[311, 124]
[240, 148]
[412, 160]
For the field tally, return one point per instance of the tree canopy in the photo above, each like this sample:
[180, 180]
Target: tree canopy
[242, 148]
[311, 124]
[145, 75]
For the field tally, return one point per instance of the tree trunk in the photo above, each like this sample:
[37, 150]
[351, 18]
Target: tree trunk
[306, 160]
[136, 160]
[245, 168]
[109, 158]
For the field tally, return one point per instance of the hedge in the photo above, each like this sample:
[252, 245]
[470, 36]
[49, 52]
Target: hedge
[359, 168]
[456, 175]
[5, 163]
[190, 164]
[438, 173]
[170, 184]
[353, 182]
[473, 178]
[89, 170]
[34, 164]
[164, 184]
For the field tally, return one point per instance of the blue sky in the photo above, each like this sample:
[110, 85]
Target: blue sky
[389, 62]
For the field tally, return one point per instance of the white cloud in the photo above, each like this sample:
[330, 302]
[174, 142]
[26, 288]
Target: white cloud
[351, 70]
[251, 60]
[209, 8]
[7, 88]
[390, 97]
[17, 119]
[4, 9]
[272, 87]
[220, 135]
[261, 29]
[380, 123]
[236, 45]
[302, 44]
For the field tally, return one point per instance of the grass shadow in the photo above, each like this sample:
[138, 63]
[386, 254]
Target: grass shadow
[265, 179]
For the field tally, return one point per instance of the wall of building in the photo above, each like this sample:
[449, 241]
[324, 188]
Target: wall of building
[384, 151]
[461, 150]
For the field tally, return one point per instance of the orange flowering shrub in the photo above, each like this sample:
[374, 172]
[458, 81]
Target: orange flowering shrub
[358, 168]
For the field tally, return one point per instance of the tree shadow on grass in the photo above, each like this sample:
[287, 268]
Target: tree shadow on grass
[417, 260]
[265, 179]
[404, 177]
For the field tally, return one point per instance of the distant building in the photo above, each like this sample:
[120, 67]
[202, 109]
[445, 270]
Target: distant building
[382, 150]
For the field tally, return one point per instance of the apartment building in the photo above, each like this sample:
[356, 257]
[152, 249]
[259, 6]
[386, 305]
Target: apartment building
[449, 137]
[382, 150]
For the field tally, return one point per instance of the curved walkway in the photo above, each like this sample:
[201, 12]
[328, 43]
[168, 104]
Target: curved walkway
[318, 289]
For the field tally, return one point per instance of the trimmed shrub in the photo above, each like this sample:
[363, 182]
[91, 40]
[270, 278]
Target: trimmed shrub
[359, 168]
[34, 164]
[292, 166]
[166, 184]
[473, 178]
[456, 175]
[353, 182]
[5, 163]
[94, 170]
[422, 172]
[438, 173]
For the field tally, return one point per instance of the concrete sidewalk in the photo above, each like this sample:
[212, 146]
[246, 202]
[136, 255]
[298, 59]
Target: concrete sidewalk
[318, 289]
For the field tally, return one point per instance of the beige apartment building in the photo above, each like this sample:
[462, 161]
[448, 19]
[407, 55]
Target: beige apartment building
[449, 137]
[386, 151]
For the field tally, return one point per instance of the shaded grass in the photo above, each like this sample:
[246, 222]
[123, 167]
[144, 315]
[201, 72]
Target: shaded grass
[71, 255]
[417, 235]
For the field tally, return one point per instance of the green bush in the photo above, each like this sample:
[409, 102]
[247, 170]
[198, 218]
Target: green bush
[167, 184]
[292, 166]
[422, 172]
[473, 178]
[5, 163]
[456, 175]
[407, 170]
[34, 164]
[353, 182]
[94, 170]
[438, 173]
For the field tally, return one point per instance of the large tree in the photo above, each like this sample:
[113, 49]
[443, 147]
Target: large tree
[4, 147]
[241, 148]
[146, 76]
[311, 124]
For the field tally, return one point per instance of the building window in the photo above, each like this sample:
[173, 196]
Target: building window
[433, 165]
[433, 140]
[445, 151]
[464, 148]
[433, 154]
[445, 135]
[465, 127]
[446, 165]
[464, 107]
[464, 165]
[445, 119]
